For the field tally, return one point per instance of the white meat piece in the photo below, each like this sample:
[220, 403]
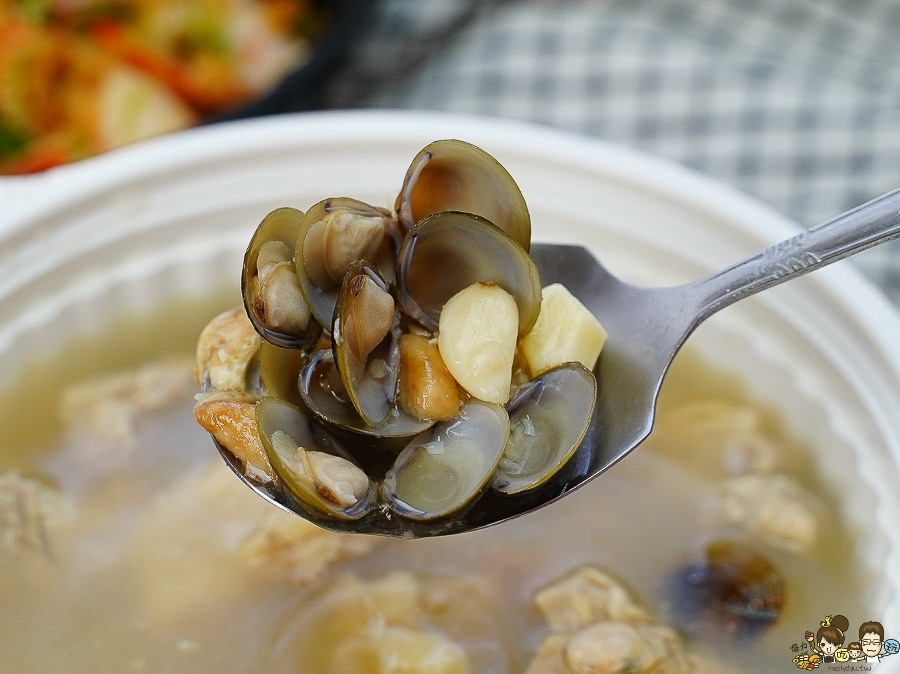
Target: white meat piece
[29, 511]
[403, 623]
[618, 648]
[108, 406]
[774, 508]
[549, 658]
[398, 650]
[716, 438]
[292, 547]
[278, 543]
[224, 350]
[586, 596]
[599, 628]
[613, 647]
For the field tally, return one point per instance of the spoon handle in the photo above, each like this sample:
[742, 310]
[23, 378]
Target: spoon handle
[856, 230]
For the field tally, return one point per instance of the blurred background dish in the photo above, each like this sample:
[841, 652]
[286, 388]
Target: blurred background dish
[78, 77]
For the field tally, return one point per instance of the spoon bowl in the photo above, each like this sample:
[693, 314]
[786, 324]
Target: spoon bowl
[647, 327]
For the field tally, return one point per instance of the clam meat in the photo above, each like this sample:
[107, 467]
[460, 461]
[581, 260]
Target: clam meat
[334, 234]
[270, 285]
[366, 333]
[311, 463]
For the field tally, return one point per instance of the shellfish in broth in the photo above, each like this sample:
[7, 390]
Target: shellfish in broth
[270, 286]
[424, 312]
[446, 467]
[366, 332]
[335, 233]
[311, 463]
[323, 392]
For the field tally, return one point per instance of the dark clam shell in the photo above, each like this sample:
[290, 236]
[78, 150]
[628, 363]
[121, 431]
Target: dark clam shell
[446, 468]
[449, 251]
[451, 175]
[324, 394]
[733, 594]
[548, 418]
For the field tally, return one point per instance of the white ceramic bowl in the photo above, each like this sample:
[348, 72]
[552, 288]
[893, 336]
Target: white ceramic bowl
[172, 216]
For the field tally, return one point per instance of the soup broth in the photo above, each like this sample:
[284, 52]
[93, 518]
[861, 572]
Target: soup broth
[159, 563]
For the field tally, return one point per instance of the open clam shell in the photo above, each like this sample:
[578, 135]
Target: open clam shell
[324, 394]
[270, 287]
[279, 372]
[311, 463]
[449, 251]
[447, 467]
[333, 234]
[451, 175]
[548, 418]
[366, 333]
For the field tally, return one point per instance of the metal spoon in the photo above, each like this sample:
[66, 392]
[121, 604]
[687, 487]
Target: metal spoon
[647, 327]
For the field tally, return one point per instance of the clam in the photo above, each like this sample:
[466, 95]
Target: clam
[377, 328]
[335, 233]
[449, 251]
[732, 594]
[366, 333]
[280, 372]
[324, 394]
[548, 418]
[311, 463]
[270, 286]
[450, 175]
[447, 467]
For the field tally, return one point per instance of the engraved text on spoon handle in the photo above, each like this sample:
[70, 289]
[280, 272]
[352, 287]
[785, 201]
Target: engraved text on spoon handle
[856, 230]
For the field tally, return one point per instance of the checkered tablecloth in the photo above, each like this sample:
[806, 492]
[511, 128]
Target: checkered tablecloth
[794, 101]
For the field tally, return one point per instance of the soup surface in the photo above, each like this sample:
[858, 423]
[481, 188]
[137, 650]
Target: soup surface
[128, 546]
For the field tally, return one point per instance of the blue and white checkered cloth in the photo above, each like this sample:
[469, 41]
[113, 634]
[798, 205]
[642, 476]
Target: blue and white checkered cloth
[794, 101]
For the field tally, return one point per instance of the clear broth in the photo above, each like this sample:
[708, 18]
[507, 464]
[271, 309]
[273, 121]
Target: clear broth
[84, 612]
